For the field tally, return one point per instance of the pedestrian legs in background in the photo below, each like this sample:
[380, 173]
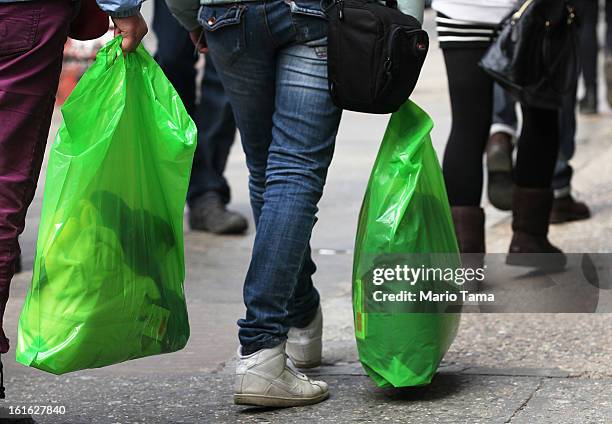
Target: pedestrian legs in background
[29, 76]
[471, 94]
[565, 208]
[533, 196]
[589, 10]
[499, 159]
[209, 192]
[499, 149]
[608, 51]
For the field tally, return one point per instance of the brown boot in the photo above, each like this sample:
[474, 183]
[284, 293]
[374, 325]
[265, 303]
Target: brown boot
[530, 246]
[469, 227]
[567, 209]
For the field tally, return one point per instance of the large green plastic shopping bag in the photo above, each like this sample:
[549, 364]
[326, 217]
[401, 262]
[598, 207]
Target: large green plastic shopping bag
[108, 276]
[405, 221]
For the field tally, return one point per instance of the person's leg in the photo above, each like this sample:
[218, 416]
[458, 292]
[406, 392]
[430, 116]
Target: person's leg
[499, 149]
[538, 147]
[565, 208]
[504, 113]
[588, 53]
[277, 85]
[216, 130]
[209, 191]
[248, 77]
[31, 50]
[303, 136]
[175, 54]
[471, 95]
[563, 172]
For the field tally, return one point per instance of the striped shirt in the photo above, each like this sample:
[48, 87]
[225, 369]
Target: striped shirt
[465, 34]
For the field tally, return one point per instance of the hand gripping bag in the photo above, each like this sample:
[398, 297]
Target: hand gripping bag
[405, 220]
[107, 284]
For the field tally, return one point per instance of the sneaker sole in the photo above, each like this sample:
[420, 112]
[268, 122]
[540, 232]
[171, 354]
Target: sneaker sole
[233, 229]
[568, 218]
[305, 365]
[499, 189]
[277, 402]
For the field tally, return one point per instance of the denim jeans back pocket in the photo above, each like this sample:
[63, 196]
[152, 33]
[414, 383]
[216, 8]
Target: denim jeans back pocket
[18, 27]
[309, 21]
[224, 28]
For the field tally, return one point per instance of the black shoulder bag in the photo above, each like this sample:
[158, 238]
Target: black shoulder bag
[534, 59]
[375, 55]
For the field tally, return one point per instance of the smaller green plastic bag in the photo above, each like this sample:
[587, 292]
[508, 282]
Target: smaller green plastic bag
[107, 284]
[405, 220]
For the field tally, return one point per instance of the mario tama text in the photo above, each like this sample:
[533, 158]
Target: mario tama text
[432, 296]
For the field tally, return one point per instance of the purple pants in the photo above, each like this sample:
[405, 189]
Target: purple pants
[32, 37]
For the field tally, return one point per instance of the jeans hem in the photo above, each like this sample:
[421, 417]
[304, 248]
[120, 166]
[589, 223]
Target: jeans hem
[268, 343]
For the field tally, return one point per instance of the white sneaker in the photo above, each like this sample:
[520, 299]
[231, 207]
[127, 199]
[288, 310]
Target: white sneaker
[304, 344]
[265, 379]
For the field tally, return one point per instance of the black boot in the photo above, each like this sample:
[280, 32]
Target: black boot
[567, 209]
[208, 213]
[588, 104]
[499, 168]
[530, 218]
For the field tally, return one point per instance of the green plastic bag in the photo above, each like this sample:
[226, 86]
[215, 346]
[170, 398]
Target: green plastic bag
[108, 276]
[405, 218]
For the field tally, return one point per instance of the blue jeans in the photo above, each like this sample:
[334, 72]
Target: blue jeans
[272, 59]
[212, 114]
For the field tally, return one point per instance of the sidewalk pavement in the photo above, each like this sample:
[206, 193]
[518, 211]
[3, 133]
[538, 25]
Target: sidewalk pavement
[511, 368]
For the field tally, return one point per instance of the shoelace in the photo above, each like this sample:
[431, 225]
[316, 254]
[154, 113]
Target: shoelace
[294, 370]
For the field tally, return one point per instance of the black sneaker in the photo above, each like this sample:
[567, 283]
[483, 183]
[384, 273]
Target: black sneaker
[210, 214]
[499, 168]
[567, 209]
[588, 104]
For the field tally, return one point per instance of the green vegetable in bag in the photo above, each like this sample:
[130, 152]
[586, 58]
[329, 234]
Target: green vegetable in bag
[405, 222]
[108, 276]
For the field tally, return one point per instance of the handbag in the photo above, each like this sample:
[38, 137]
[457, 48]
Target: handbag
[375, 55]
[534, 59]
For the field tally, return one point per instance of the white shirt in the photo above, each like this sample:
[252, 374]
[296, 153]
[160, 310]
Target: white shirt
[478, 11]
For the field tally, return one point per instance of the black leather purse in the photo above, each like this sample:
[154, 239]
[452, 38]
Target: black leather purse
[534, 58]
[375, 55]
